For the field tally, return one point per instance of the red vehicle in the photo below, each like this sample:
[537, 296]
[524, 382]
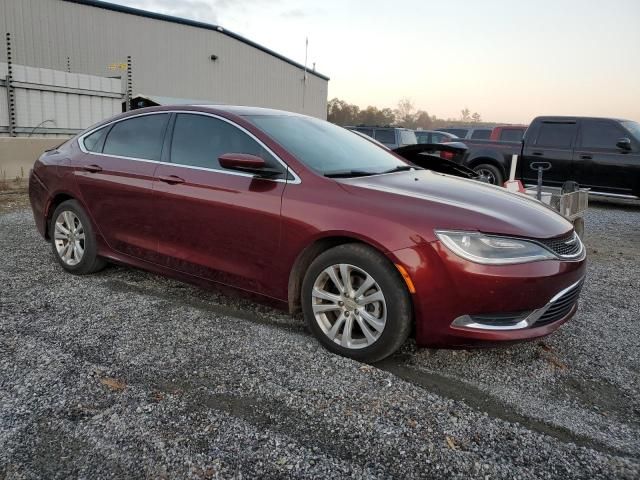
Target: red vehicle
[305, 214]
[508, 133]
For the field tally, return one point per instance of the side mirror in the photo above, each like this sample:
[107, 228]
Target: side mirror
[624, 144]
[247, 163]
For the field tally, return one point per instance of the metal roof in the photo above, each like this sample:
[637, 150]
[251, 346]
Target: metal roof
[192, 23]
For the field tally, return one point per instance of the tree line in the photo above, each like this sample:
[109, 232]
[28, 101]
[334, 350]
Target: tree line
[405, 115]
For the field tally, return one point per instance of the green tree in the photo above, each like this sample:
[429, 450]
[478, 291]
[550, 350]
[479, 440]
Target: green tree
[342, 113]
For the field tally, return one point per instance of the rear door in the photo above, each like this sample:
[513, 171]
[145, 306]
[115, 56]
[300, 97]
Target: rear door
[600, 164]
[552, 142]
[115, 177]
[214, 223]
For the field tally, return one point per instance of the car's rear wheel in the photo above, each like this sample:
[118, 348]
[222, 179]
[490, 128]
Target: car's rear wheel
[355, 303]
[489, 173]
[73, 239]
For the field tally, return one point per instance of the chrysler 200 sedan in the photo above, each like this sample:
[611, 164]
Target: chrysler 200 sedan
[306, 215]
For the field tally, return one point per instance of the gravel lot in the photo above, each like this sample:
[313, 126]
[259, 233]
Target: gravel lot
[125, 373]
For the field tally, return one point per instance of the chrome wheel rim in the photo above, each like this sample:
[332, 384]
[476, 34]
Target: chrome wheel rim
[69, 238]
[349, 306]
[487, 175]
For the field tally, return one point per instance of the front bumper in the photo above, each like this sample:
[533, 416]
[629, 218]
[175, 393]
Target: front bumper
[460, 303]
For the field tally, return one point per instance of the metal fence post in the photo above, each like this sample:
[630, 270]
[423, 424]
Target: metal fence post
[11, 99]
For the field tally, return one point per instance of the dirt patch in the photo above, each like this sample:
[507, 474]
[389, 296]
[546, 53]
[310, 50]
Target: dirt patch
[14, 199]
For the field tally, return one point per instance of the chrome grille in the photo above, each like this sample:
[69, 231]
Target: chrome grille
[568, 245]
[561, 307]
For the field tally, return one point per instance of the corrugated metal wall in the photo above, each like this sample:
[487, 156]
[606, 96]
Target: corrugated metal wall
[67, 102]
[169, 59]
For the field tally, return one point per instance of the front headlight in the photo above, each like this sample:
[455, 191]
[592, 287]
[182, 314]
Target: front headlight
[493, 250]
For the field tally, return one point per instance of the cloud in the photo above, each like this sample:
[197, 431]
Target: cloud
[294, 14]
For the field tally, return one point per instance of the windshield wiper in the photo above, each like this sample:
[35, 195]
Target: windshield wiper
[363, 173]
[348, 173]
[401, 168]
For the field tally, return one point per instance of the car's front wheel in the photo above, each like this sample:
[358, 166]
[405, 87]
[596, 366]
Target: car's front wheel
[355, 303]
[73, 239]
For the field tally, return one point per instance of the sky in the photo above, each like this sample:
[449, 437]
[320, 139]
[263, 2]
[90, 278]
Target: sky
[509, 60]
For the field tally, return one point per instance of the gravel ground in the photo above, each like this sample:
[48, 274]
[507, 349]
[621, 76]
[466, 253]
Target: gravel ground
[125, 373]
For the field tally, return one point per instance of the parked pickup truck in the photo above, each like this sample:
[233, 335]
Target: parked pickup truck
[602, 154]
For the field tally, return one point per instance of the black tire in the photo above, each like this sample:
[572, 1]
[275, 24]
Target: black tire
[90, 262]
[390, 282]
[491, 172]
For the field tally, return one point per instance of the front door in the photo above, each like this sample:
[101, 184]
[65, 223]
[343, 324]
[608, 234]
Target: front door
[213, 223]
[601, 165]
[115, 178]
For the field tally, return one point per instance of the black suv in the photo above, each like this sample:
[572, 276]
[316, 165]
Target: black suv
[392, 137]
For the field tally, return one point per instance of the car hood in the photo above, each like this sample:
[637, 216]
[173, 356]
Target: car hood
[447, 202]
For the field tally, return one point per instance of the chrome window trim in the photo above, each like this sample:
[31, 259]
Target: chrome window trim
[296, 179]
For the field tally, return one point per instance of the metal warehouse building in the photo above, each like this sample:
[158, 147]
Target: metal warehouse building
[170, 57]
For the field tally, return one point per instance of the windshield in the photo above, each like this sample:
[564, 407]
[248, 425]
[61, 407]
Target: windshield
[634, 128]
[325, 147]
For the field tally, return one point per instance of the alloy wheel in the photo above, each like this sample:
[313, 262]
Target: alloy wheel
[349, 306]
[487, 176]
[69, 238]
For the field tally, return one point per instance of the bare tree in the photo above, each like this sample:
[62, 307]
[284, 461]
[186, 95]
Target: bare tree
[405, 113]
[476, 117]
[465, 114]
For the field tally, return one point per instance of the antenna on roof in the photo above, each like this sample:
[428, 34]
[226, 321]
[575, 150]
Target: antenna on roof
[306, 51]
[304, 79]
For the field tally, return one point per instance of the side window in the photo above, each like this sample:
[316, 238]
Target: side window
[138, 137]
[423, 137]
[407, 137]
[95, 141]
[198, 141]
[511, 135]
[558, 135]
[386, 135]
[598, 134]
[437, 138]
[481, 134]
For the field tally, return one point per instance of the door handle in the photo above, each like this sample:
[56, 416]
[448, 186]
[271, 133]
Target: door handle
[538, 154]
[92, 168]
[586, 157]
[171, 179]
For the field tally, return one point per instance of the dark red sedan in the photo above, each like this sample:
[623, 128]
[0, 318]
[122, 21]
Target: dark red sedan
[305, 214]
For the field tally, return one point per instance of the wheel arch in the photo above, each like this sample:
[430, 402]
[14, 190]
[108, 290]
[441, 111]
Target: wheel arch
[309, 253]
[53, 203]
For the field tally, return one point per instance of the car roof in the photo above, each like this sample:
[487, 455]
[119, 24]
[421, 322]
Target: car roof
[240, 110]
[557, 118]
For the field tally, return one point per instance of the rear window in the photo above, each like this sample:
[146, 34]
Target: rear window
[458, 132]
[138, 137]
[387, 136]
[511, 135]
[481, 134]
[559, 135]
[366, 131]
